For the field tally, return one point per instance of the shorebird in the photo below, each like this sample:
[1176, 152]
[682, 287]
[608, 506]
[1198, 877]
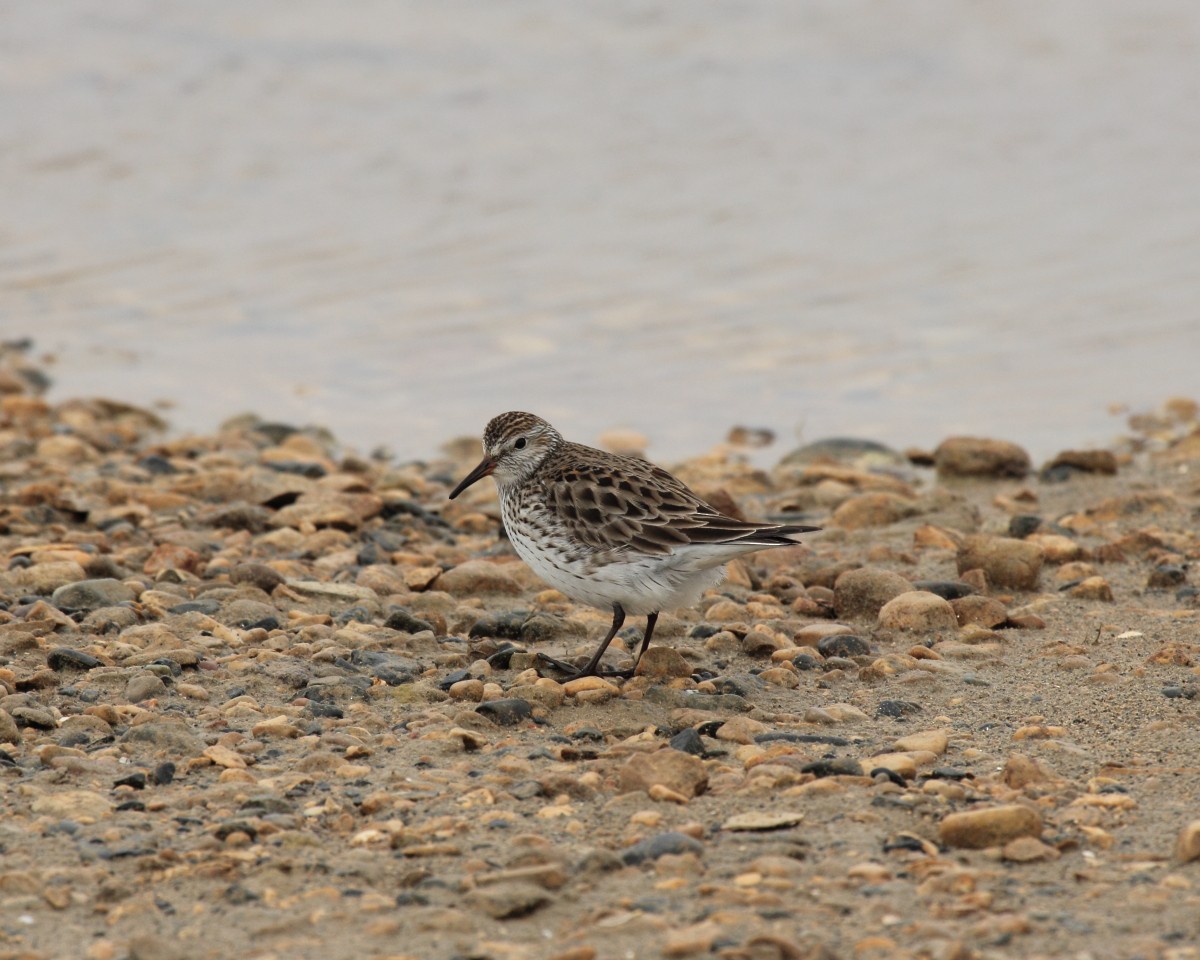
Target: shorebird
[614, 532]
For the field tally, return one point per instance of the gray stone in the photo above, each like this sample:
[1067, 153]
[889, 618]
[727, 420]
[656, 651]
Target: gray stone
[92, 594]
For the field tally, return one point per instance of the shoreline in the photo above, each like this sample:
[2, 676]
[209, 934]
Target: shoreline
[264, 699]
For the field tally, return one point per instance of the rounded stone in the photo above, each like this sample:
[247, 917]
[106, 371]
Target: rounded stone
[918, 612]
[980, 610]
[976, 829]
[862, 592]
[980, 457]
[92, 594]
[680, 772]
[1005, 561]
[873, 510]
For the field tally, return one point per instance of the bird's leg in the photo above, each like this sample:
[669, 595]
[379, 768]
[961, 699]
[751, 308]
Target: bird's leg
[590, 668]
[651, 620]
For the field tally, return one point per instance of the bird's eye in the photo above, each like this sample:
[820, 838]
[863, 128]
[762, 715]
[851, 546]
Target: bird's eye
[520, 444]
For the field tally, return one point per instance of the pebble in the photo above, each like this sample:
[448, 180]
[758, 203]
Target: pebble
[862, 592]
[507, 712]
[843, 645]
[984, 611]
[661, 845]
[1005, 561]
[918, 612]
[682, 773]
[1093, 588]
[67, 658]
[92, 594]
[146, 686]
[1187, 846]
[879, 509]
[975, 829]
[981, 457]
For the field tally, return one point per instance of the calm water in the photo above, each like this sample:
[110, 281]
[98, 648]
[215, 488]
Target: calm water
[397, 218]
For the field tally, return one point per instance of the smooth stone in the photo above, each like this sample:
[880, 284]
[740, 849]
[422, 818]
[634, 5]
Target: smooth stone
[1005, 561]
[976, 829]
[679, 772]
[877, 509]
[979, 610]
[660, 845]
[946, 589]
[68, 658]
[1086, 461]
[1092, 588]
[506, 901]
[862, 592]
[78, 805]
[392, 668]
[9, 731]
[1187, 845]
[476, 577]
[918, 612]
[843, 645]
[507, 712]
[762, 820]
[663, 663]
[404, 621]
[172, 737]
[92, 594]
[145, 686]
[981, 457]
[897, 708]
[842, 766]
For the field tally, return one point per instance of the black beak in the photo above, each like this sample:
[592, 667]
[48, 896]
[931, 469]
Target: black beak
[485, 468]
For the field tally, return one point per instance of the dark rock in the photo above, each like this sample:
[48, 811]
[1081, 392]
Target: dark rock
[806, 661]
[507, 712]
[946, 589]
[1178, 692]
[950, 773]
[1021, 526]
[66, 658]
[402, 620]
[1166, 576]
[502, 658]
[843, 766]
[205, 606]
[688, 740]
[506, 626]
[789, 737]
[164, 773]
[297, 468]
[136, 780]
[157, 465]
[843, 645]
[659, 845]
[897, 708]
[392, 668]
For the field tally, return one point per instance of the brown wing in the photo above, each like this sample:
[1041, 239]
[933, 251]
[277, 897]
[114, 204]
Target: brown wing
[617, 503]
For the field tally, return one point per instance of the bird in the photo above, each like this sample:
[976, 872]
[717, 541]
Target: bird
[611, 531]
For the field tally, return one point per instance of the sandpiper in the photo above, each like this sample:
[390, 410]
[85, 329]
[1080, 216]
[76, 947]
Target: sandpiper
[615, 532]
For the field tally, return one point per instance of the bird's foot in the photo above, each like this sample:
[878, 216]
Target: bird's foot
[574, 673]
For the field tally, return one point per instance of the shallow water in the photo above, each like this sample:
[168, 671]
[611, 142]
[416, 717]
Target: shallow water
[398, 218]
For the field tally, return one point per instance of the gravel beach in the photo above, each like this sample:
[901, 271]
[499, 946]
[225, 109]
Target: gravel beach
[260, 698]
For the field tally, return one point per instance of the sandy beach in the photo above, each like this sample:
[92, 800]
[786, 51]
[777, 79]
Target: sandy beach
[264, 699]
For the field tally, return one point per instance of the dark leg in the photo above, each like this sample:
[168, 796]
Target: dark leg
[651, 620]
[590, 669]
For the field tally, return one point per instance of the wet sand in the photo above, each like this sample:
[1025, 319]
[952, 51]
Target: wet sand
[262, 699]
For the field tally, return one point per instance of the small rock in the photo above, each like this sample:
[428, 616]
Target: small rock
[1085, 461]
[980, 457]
[687, 740]
[933, 741]
[172, 737]
[507, 712]
[1187, 846]
[67, 658]
[475, 578]
[1093, 588]
[505, 901]
[946, 589]
[918, 611]
[878, 509]
[975, 829]
[843, 645]
[683, 773]
[81, 805]
[258, 574]
[145, 686]
[980, 610]
[663, 663]
[1166, 576]
[92, 594]
[660, 845]
[1005, 561]
[762, 820]
[9, 731]
[861, 592]
[1028, 850]
[740, 730]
